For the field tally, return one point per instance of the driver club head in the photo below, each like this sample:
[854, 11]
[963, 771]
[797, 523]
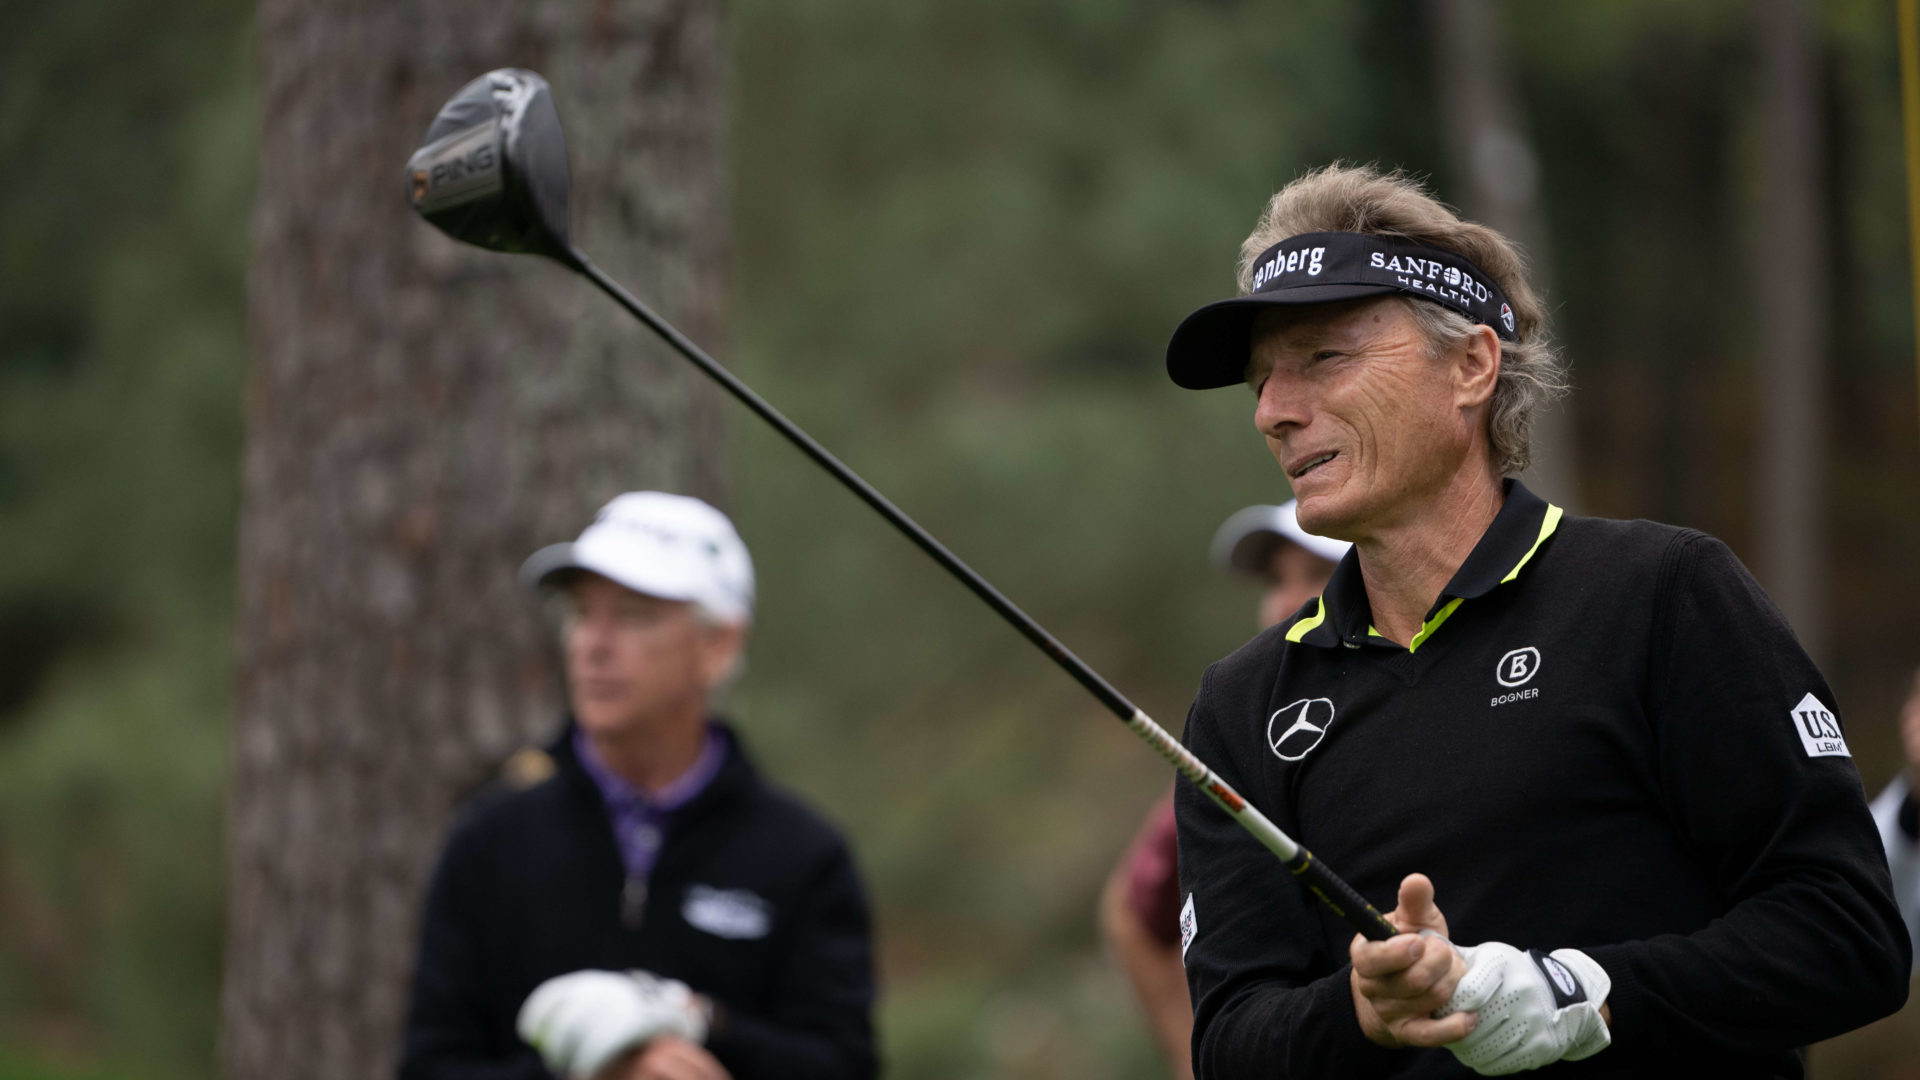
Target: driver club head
[492, 170]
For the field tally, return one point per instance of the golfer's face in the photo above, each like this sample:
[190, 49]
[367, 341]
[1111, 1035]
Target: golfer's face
[631, 657]
[1362, 418]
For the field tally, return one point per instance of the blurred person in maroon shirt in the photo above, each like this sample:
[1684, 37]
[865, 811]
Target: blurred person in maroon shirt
[1897, 812]
[1140, 906]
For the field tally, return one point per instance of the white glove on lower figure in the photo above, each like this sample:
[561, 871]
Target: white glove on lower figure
[581, 1022]
[1535, 1008]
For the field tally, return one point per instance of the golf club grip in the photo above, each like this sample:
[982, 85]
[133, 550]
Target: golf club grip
[1336, 894]
[1341, 897]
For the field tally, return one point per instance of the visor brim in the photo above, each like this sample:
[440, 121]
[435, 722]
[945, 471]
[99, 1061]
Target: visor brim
[1210, 347]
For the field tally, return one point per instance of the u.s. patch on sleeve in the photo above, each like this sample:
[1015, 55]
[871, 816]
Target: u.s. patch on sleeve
[1189, 926]
[1819, 729]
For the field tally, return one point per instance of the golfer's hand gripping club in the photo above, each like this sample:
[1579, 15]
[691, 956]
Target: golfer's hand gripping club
[493, 172]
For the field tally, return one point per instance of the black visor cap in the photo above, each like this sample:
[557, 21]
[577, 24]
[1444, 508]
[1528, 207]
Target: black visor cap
[1210, 347]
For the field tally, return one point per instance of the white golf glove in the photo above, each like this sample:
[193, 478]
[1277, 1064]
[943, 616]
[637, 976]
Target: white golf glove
[1535, 1008]
[582, 1021]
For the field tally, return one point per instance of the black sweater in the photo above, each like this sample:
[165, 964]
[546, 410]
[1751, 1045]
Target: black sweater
[531, 887]
[1602, 740]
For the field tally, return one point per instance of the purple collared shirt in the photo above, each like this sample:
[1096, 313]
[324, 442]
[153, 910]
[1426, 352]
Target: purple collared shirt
[640, 820]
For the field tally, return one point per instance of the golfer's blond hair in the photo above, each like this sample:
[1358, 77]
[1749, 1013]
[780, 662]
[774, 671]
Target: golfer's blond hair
[1362, 199]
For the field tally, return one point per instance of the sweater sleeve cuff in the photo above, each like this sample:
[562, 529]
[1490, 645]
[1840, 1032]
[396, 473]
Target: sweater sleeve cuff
[1627, 999]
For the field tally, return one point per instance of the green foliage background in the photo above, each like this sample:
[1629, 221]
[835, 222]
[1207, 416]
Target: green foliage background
[963, 231]
[126, 144]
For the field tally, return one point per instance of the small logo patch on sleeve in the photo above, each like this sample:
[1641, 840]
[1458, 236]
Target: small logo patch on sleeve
[1819, 729]
[1189, 926]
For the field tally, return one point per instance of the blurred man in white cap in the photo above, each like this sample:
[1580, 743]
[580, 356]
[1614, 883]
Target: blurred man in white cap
[1267, 542]
[1140, 907]
[645, 906]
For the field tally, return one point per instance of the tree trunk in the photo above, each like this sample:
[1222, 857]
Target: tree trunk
[1790, 285]
[420, 416]
[1498, 180]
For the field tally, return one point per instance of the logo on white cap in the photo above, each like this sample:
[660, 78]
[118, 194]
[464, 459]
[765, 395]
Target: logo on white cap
[672, 546]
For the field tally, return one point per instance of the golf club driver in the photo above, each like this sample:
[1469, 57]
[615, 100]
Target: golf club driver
[493, 172]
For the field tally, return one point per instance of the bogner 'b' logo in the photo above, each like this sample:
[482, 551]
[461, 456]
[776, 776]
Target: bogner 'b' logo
[1296, 729]
[1518, 667]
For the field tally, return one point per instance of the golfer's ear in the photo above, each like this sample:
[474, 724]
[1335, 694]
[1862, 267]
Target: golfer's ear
[1476, 367]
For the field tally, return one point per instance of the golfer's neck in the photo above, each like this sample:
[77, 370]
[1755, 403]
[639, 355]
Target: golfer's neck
[656, 751]
[1407, 562]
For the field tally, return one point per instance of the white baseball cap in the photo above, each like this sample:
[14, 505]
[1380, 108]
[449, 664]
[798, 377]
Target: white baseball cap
[671, 546]
[1246, 541]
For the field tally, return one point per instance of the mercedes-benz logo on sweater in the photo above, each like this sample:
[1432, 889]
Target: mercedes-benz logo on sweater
[1294, 730]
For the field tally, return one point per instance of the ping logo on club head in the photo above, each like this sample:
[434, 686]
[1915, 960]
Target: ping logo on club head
[1294, 730]
[1518, 667]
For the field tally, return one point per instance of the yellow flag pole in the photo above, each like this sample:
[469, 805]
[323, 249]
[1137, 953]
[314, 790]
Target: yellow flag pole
[1909, 23]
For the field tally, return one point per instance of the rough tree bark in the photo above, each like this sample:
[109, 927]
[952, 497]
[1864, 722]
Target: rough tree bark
[1498, 177]
[1791, 338]
[420, 416]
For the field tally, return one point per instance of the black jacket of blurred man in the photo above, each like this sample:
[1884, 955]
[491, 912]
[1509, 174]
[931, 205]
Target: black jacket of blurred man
[1594, 743]
[645, 906]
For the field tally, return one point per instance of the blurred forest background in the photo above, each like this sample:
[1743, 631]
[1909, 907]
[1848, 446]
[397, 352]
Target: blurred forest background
[961, 233]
